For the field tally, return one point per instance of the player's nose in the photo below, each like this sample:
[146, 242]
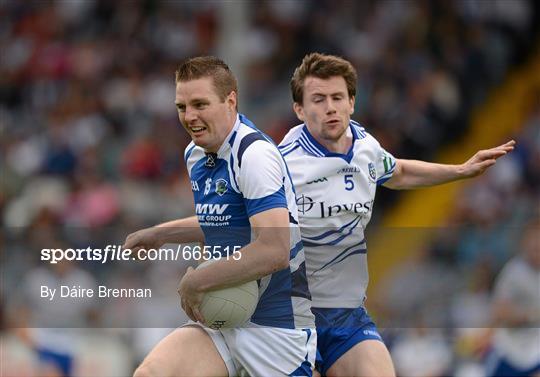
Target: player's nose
[330, 107]
[190, 115]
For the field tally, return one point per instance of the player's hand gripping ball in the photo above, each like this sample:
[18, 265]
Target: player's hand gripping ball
[229, 307]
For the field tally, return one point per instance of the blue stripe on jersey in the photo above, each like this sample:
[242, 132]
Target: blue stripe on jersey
[330, 232]
[304, 141]
[231, 139]
[275, 304]
[247, 122]
[337, 240]
[383, 180]
[283, 147]
[360, 131]
[232, 170]
[343, 255]
[290, 150]
[299, 283]
[299, 246]
[246, 142]
[275, 200]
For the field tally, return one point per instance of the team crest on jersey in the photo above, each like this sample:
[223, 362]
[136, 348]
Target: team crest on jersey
[372, 172]
[221, 187]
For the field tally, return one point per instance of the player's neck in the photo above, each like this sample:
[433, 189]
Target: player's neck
[230, 121]
[342, 145]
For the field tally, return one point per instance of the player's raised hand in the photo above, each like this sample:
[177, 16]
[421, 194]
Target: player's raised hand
[143, 239]
[484, 159]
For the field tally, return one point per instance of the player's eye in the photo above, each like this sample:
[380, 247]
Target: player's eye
[181, 108]
[199, 105]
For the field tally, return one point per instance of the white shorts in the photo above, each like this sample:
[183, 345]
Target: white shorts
[265, 351]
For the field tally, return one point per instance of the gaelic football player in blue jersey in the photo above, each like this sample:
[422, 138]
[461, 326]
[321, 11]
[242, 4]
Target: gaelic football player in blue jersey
[336, 167]
[243, 197]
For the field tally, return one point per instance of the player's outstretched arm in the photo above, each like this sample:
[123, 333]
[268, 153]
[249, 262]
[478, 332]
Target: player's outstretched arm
[176, 231]
[410, 174]
[266, 254]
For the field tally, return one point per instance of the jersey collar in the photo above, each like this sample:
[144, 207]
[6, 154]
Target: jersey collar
[313, 147]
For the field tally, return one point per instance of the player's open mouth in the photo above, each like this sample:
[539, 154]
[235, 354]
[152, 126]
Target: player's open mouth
[197, 130]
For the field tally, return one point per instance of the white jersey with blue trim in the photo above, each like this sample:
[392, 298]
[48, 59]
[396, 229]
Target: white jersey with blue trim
[247, 176]
[335, 195]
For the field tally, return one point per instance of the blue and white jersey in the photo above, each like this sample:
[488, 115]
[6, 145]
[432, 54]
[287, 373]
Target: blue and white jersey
[335, 195]
[247, 176]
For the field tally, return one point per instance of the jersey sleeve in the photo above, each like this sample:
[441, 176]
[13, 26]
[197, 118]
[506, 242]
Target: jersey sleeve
[385, 163]
[261, 178]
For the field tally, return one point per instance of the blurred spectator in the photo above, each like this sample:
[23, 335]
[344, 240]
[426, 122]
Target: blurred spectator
[422, 353]
[516, 310]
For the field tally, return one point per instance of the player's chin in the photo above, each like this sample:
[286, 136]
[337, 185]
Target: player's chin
[201, 140]
[334, 133]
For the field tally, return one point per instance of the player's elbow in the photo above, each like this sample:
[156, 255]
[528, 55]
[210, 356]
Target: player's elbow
[282, 261]
[279, 259]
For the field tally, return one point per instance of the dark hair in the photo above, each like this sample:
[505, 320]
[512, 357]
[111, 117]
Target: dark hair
[322, 66]
[208, 66]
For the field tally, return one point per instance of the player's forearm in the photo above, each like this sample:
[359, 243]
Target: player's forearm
[413, 174]
[180, 231]
[256, 261]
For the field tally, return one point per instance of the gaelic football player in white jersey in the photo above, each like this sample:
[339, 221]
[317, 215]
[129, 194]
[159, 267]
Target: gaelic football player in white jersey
[243, 198]
[336, 167]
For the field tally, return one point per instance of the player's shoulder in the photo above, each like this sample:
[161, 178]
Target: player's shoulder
[250, 142]
[189, 150]
[361, 133]
[291, 143]
[291, 136]
[192, 154]
[363, 138]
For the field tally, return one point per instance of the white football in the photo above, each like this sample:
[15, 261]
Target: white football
[229, 307]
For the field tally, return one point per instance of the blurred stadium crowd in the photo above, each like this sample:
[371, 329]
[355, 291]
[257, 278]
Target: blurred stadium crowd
[90, 138]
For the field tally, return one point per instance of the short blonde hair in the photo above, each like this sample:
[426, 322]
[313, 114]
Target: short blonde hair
[208, 66]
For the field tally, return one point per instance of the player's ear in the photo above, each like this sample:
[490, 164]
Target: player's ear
[299, 110]
[351, 99]
[232, 100]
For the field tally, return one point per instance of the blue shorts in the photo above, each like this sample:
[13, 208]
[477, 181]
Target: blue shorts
[339, 330]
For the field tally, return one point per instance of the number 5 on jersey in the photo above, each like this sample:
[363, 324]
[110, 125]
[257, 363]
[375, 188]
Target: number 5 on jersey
[349, 183]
